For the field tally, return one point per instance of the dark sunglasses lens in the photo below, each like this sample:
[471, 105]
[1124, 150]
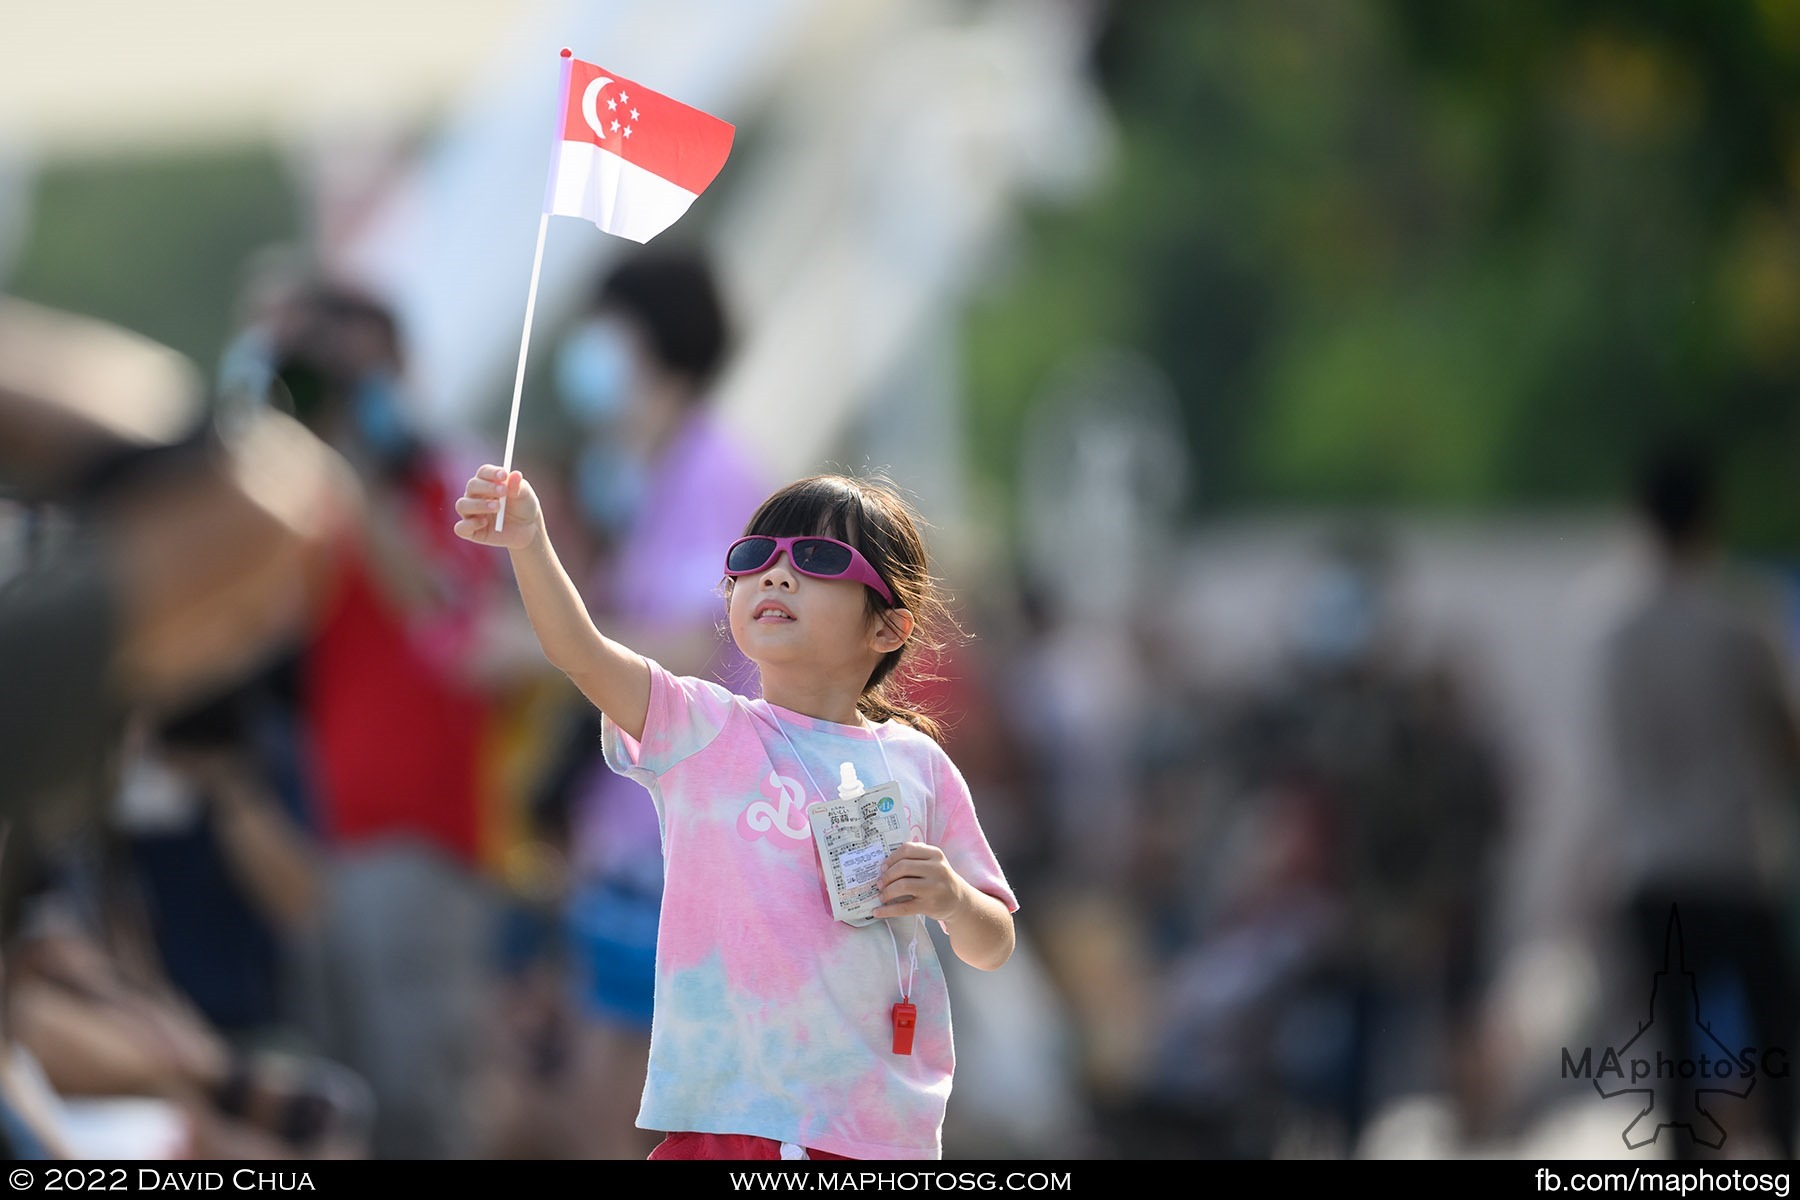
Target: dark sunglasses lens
[819, 557]
[750, 554]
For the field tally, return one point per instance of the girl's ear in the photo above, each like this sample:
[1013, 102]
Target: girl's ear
[892, 628]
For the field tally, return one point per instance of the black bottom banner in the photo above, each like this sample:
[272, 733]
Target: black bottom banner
[1048, 1178]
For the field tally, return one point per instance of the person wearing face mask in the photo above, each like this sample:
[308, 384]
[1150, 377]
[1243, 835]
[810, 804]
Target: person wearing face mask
[594, 375]
[662, 484]
[398, 728]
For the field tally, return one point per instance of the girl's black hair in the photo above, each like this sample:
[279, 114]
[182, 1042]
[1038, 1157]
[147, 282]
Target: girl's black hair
[871, 514]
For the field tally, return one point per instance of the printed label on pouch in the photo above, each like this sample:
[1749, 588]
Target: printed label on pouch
[855, 838]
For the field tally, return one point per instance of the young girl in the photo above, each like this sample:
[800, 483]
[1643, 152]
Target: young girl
[779, 1031]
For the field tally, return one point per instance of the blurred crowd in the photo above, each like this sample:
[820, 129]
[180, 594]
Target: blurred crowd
[308, 852]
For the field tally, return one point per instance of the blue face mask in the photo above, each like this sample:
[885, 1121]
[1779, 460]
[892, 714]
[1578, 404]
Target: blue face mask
[594, 373]
[243, 379]
[380, 419]
[609, 484]
[246, 369]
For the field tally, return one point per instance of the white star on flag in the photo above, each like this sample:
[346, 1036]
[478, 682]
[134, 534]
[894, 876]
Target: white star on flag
[632, 186]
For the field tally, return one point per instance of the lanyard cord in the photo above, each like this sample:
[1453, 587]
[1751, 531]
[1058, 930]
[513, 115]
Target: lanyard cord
[912, 951]
[912, 959]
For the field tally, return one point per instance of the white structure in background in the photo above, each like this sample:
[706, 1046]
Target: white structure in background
[892, 166]
[450, 243]
[1103, 480]
[1105, 472]
[882, 147]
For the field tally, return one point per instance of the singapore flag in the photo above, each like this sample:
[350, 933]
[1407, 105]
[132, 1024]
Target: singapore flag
[626, 158]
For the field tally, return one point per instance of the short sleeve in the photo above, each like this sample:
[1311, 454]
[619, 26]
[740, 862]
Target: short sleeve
[684, 716]
[957, 832]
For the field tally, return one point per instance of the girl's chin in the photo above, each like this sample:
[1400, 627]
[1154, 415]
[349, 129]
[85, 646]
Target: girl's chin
[770, 650]
[771, 632]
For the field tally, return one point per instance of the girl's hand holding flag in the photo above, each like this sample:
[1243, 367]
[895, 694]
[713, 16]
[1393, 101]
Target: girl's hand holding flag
[479, 508]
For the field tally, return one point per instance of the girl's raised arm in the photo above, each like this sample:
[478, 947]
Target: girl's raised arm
[613, 676]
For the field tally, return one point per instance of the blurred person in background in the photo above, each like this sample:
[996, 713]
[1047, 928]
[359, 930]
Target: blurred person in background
[1076, 697]
[1339, 940]
[152, 557]
[1416, 795]
[1704, 737]
[148, 557]
[397, 723]
[274, 277]
[659, 484]
[223, 857]
[222, 876]
[1018, 1093]
[130, 1064]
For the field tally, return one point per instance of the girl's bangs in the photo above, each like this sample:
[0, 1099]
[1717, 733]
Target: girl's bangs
[817, 509]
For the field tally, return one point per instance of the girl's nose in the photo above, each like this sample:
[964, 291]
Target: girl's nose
[777, 572]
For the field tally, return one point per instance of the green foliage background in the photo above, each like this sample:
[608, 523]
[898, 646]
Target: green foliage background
[1445, 255]
[156, 243]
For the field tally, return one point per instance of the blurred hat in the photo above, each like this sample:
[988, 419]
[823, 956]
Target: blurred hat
[79, 395]
[121, 383]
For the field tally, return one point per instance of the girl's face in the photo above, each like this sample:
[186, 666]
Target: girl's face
[781, 619]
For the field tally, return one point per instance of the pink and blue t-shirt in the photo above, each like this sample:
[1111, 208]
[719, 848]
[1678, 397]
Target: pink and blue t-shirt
[771, 1018]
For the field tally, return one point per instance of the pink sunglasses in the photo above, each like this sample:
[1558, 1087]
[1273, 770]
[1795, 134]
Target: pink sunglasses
[820, 557]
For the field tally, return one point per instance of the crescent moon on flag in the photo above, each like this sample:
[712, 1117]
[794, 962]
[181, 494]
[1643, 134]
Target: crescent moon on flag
[590, 106]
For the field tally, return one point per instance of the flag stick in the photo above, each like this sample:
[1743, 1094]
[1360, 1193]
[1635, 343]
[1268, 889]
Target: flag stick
[512, 422]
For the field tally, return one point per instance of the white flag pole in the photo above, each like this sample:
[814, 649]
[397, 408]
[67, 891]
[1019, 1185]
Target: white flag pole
[512, 423]
[537, 262]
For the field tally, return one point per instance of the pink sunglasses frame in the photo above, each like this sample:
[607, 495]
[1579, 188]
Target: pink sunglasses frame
[859, 570]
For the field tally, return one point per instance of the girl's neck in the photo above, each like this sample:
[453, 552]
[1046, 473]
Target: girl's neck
[820, 700]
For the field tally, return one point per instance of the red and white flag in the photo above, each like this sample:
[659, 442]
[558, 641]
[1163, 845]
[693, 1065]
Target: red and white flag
[626, 158]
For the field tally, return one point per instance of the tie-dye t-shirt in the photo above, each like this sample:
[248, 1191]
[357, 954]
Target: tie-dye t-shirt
[771, 1018]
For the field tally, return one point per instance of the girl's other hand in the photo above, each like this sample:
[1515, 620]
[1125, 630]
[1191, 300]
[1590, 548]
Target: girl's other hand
[480, 504]
[918, 880]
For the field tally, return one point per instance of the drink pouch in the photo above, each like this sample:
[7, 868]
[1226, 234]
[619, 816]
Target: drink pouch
[855, 837]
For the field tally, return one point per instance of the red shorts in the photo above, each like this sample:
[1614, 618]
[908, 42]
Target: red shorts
[727, 1145]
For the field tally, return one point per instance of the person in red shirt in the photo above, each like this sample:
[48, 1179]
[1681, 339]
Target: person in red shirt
[395, 722]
